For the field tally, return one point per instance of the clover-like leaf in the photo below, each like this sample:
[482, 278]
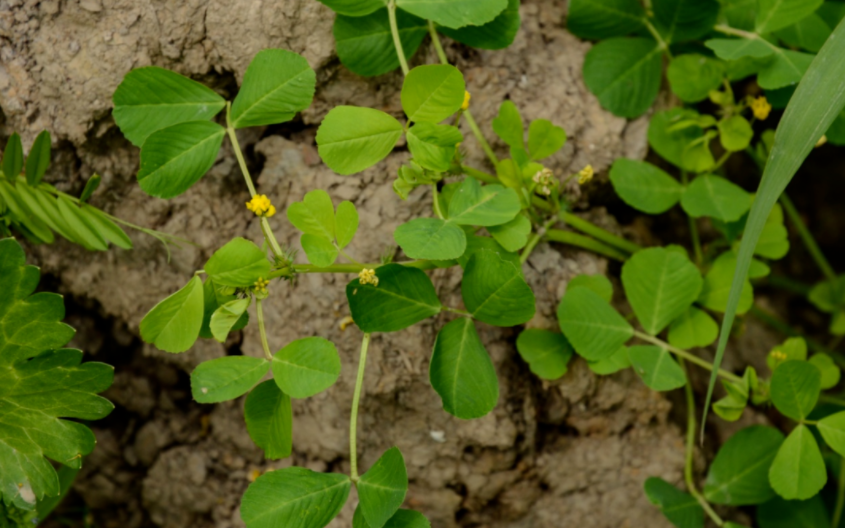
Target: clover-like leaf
[431, 238]
[693, 328]
[693, 76]
[624, 73]
[795, 388]
[174, 324]
[508, 125]
[238, 264]
[495, 292]
[739, 475]
[433, 92]
[351, 139]
[434, 146]
[227, 378]
[644, 186]
[496, 34]
[715, 197]
[547, 353]
[680, 508]
[600, 284]
[402, 297]
[655, 365]
[354, 8]
[596, 20]
[455, 13]
[269, 420]
[382, 488]
[489, 205]
[512, 235]
[365, 44]
[594, 328]
[306, 367]
[776, 14]
[717, 285]
[798, 471]
[544, 138]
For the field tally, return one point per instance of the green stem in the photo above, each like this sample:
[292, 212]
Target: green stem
[585, 242]
[824, 398]
[457, 311]
[687, 356]
[356, 400]
[807, 237]
[693, 229]
[344, 268]
[721, 161]
[790, 285]
[435, 39]
[397, 42]
[599, 233]
[535, 239]
[840, 494]
[727, 30]
[657, 37]
[479, 175]
[435, 200]
[689, 478]
[349, 257]
[260, 312]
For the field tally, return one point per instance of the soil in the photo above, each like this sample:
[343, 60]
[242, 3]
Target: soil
[570, 453]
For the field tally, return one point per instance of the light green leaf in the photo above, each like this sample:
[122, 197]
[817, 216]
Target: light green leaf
[732, 405]
[810, 33]
[830, 371]
[239, 264]
[38, 159]
[598, 283]
[597, 20]
[106, 227]
[735, 49]
[455, 13]
[644, 187]
[785, 69]
[716, 197]
[354, 8]
[320, 251]
[277, 84]
[365, 45]
[20, 214]
[671, 134]
[404, 296]
[489, 205]
[774, 240]
[624, 73]
[434, 146]
[494, 291]
[176, 157]
[512, 235]
[798, 470]
[13, 157]
[661, 285]
[547, 353]
[431, 239]
[594, 328]
[544, 138]
[693, 76]
[684, 20]
[294, 497]
[508, 125]
[433, 92]
[655, 365]
[461, 371]
[214, 296]
[618, 361]
[694, 328]
[227, 378]
[306, 367]
[226, 317]
[497, 34]
[173, 325]
[717, 285]
[680, 508]
[832, 429]
[351, 139]
[776, 14]
[346, 221]
[795, 389]
[150, 99]
[269, 420]
[739, 475]
[794, 348]
[778, 513]
[735, 133]
[314, 215]
[78, 223]
[382, 488]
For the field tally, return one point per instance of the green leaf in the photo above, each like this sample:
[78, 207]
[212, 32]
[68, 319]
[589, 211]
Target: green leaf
[683, 20]
[598, 283]
[794, 348]
[810, 33]
[544, 138]
[694, 328]
[269, 420]
[79, 225]
[45, 207]
[624, 73]
[227, 378]
[314, 215]
[594, 328]
[213, 298]
[508, 125]
[494, 291]
[351, 139]
[239, 264]
[346, 221]
[715, 197]
[150, 99]
[13, 157]
[106, 227]
[497, 34]
[306, 367]
[547, 353]
[672, 133]
[778, 513]
[175, 158]
[41, 383]
[22, 216]
[830, 371]
[431, 93]
[461, 371]
[382, 488]
[717, 286]
[832, 429]
[644, 187]
[795, 389]
[277, 84]
[735, 133]
[656, 367]
[400, 519]
[226, 317]
[38, 159]
[320, 251]
[739, 475]
[173, 325]
[479, 243]
[661, 285]
[693, 76]
[431, 239]
[434, 146]
[404, 296]
[777, 14]
[489, 205]
[774, 240]
[455, 13]
[601, 19]
[682, 510]
[798, 470]
[735, 49]
[294, 497]
[354, 8]
[618, 361]
[512, 235]
[785, 69]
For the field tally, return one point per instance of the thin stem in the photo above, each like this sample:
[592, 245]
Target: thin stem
[435, 200]
[397, 42]
[585, 242]
[721, 161]
[435, 39]
[349, 257]
[267, 231]
[599, 233]
[657, 37]
[693, 229]
[479, 175]
[790, 285]
[260, 312]
[727, 30]
[689, 478]
[772, 321]
[344, 268]
[535, 239]
[233, 137]
[840, 494]
[807, 237]
[356, 400]
[457, 311]
[730, 376]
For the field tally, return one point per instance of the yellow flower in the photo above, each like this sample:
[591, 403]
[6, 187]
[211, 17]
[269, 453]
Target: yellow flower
[261, 206]
[260, 286]
[761, 107]
[467, 97]
[368, 276]
[822, 140]
[585, 175]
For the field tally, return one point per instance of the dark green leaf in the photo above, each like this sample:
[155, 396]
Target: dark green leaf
[431, 239]
[269, 420]
[683, 20]
[227, 378]
[351, 139]
[798, 470]
[400, 519]
[547, 353]
[680, 508]
[13, 157]
[173, 325]
[489, 205]
[479, 243]
[404, 296]
[594, 328]
[830, 371]
[786, 68]
[38, 159]
[693, 76]
[644, 187]
[433, 92]
[601, 19]
[779, 513]
[498, 34]
[776, 14]
[354, 8]
[810, 33]
[455, 13]
[739, 475]
[734, 49]
[494, 291]
[795, 388]
[512, 235]
[715, 197]
[656, 367]
[624, 73]
[382, 488]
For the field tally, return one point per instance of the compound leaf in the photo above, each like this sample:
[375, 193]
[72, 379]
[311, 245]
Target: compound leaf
[544, 138]
[512, 235]
[693, 76]
[693, 328]
[434, 146]
[624, 73]
[739, 475]
[508, 125]
[594, 328]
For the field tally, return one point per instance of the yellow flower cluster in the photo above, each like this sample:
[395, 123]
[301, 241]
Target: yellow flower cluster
[260, 286]
[585, 175]
[368, 276]
[261, 206]
[778, 356]
[761, 107]
[467, 97]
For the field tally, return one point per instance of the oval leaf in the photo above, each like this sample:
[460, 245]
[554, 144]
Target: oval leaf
[495, 292]
[269, 420]
[404, 296]
[365, 45]
[739, 475]
[658, 370]
[433, 92]
[351, 139]
[306, 367]
[382, 488]
[625, 74]
[227, 378]
[238, 264]
[644, 187]
[547, 353]
[798, 471]
[455, 13]
[431, 238]
[173, 325]
[796, 386]
[594, 328]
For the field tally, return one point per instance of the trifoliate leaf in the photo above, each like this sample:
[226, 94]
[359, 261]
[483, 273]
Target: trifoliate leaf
[694, 328]
[830, 371]
[512, 235]
[739, 475]
[489, 205]
[320, 251]
[238, 264]
[715, 197]
[402, 297]
[495, 292]
[594, 328]
[434, 146]
[382, 488]
[624, 73]
[433, 92]
[693, 76]
[798, 471]
[544, 139]
[547, 353]
[508, 125]
[351, 139]
[735, 133]
[717, 285]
